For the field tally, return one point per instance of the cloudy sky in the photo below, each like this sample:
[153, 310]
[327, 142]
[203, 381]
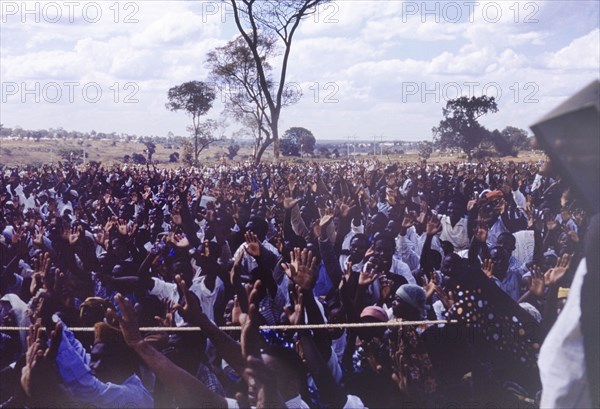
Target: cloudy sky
[365, 68]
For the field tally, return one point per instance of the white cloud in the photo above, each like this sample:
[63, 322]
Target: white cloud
[364, 61]
[582, 53]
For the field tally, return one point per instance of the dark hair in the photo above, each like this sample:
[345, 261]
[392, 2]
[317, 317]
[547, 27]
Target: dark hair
[386, 238]
[290, 358]
[510, 239]
[360, 236]
[260, 227]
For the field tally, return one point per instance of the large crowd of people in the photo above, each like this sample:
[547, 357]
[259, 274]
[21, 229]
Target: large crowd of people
[482, 256]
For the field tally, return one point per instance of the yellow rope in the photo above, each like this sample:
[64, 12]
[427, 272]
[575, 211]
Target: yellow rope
[393, 323]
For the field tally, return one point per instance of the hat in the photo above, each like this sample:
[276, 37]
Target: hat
[413, 295]
[376, 312]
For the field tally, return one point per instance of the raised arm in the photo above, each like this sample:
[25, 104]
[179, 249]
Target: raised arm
[190, 392]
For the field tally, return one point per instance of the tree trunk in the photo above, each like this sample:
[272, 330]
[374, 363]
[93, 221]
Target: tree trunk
[196, 153]
[275, 138]
[262, 150]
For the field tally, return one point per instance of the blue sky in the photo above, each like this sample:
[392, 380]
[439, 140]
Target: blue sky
[364, 67]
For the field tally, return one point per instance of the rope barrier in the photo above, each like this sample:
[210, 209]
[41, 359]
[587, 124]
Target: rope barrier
[393, 323]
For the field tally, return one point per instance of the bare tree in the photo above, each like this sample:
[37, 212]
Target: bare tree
[276, 20]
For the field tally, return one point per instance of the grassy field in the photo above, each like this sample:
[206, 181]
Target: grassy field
[28, 152]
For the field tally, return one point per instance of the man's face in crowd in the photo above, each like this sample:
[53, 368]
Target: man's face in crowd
[383, 253]
[506, 242]
[358, 248]
[378, 223]
[119, 249]
[455, 210]
[450, 265]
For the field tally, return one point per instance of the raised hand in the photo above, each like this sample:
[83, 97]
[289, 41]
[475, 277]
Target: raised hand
[190, 308]
[295, 315]
[386, 288]
[488, 267]
[407, 222]
[39, 361]
[481, 232]
[537, 283]
[122, 227]
[252, 244]
[292, 182]
[17, 235]
[127, 321]
[234, 273]
[41, 265]
[370, 251]
[38, 238]
[391, 196]
[368, 274]
[429, 285]
[302, 268]
[471, 204]
[262, 384]
[181, 241]
[348, 270]
[556, 273]
[75, 235]
[444, 298]
[236, 311]
[251, 340]
[326, 218]
[433, 226]
[108, 226]
[345, 206]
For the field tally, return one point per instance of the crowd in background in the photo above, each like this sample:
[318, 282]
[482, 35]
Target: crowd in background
[493, 246]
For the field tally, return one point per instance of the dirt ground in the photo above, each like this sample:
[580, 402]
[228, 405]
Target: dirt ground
[28, 152]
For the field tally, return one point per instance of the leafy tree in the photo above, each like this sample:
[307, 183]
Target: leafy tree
[425, 149]
[174, 157]
[297, 141]
[502, 144]
[196, 99]
[138, 159]
[4, 131]
[518, 138]
[234, 70]
[232, 151]
[460, 127]
[126, 159]
[324, 151]
[273, 19]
